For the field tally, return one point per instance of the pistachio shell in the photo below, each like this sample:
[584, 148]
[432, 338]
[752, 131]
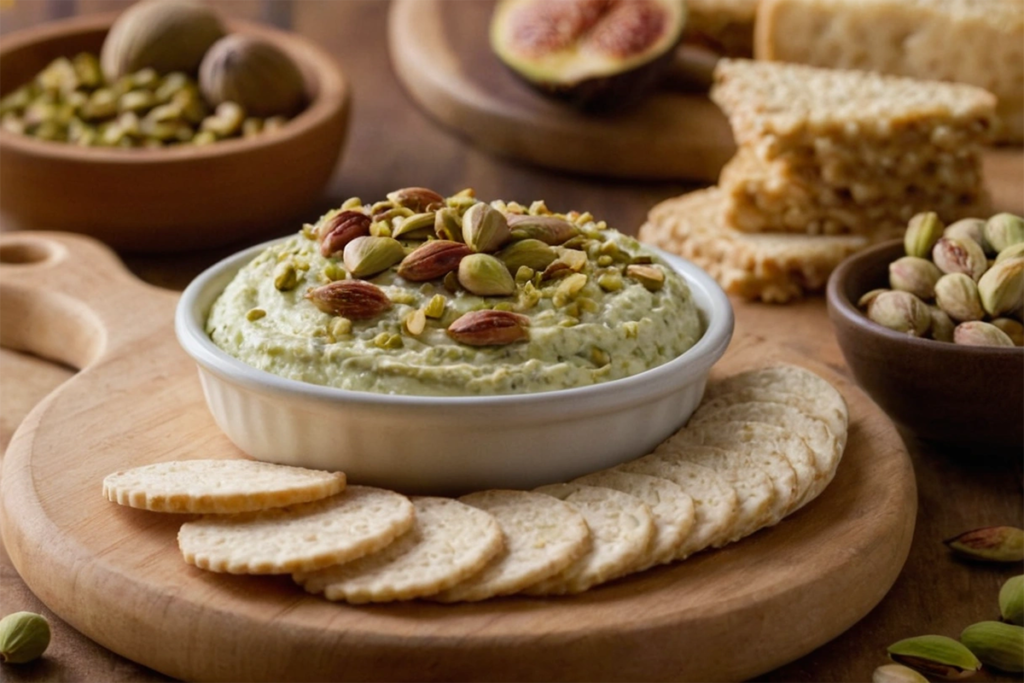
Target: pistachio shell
[1011, 601]
[254, 73]
[367, 256]
[935, 655]
[957, 295]
[998, 645]
[1004, 230]
[484, 275]
[166, 35]
[24, 636]
[923, 231]
[484, 228]
[900, 311]
[1001, 288]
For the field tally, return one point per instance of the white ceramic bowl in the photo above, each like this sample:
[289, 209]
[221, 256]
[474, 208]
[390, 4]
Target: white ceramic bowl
[449, 445]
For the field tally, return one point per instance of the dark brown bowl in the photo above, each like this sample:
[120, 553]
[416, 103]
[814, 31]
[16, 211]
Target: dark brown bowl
[179, 198]
[940, 391]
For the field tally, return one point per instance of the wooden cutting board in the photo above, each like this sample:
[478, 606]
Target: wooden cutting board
[116, 574]
[441, 54]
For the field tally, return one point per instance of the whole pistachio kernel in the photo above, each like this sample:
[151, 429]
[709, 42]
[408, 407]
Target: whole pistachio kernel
[998, 645]
[935, 655]
[923, 231]
[484, 228]
[286, 276]
[366, 256]
[24, 636]
[485, 275]
[254, 314]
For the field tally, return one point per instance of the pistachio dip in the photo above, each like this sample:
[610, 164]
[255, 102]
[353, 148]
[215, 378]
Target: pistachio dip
[425, 295]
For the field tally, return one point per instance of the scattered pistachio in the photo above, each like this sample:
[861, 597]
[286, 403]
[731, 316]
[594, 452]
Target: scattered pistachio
[998, 645]
[416, 322]
[1011, 601]
[24, 636]
[935, 655]
[254, 314]
[485, 275]
[286, 276]
[896, 673]
[435, 307]
[532, 253]
[990, 544]
[484, 228]
[367, 255]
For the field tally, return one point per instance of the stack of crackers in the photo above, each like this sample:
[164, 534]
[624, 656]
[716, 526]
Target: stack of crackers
[828, 162]
[763, 444]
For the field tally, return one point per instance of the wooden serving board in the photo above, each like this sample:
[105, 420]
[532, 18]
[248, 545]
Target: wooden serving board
[116, 574]
[441, 54]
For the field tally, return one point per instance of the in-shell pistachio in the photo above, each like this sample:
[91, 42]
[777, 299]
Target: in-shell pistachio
[990, 544]
[953, 255]
[433, 260]
[484, 228]
[485, 275]
[367, 256]
[255, 73]
[957, 295]
[1012, 251]
[1004, 230]
[978, 333]
[1013, 329]
[548, 229]
[1001, 288]
[900, 311]
[865, 300]
[967, 229]
[935, 655]
[352, 299]
[490, 328]
[923, 231]
[915, 275]
[1011, 601]
[24, 636]
[998, 645]
[340, 229]
[942, 325]
[165, 35]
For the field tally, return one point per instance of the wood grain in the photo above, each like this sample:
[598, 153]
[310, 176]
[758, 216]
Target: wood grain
[107, 570]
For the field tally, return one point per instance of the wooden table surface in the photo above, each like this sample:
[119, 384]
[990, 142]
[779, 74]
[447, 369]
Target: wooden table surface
[392, 144]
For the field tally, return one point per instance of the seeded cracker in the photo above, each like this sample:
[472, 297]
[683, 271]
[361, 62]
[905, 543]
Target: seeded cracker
[449, 541]
[359, 521]
[218, 486]
[671, 507]
[715, 502]
[621, 527]
[543, 536]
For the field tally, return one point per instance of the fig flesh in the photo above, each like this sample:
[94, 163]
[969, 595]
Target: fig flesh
[598, 55]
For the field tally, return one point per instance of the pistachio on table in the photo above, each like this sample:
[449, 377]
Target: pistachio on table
[1011, 600]
[935, 655]
[991, 544]
[24, 636]
[896, 673]
[996, 644]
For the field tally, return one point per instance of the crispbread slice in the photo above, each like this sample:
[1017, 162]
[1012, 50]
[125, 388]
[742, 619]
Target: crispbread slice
[448, 542]
[621, 528]
[823, 443]
[764, 442]
[356, 522]
[715, 503]
[836, 421]
[755, 491]
[671, 507]
[218, 486]
[820, 398]
[543, 536]
[744, 472]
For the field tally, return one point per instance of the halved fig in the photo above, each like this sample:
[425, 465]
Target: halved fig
[596, 54]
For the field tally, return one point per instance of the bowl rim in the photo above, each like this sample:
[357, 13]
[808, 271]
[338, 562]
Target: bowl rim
[847, 311]
[332, 94]
[715, 310]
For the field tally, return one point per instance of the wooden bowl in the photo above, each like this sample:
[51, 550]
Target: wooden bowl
[179, 198]
[940, 391]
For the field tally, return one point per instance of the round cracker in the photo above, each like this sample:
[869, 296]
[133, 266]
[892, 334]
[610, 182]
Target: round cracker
[543, 536]
[826, 403]
[448, 542]
[671, 507]
[621, 528]
[356, 522]
[715, 502]
[827, 449]
[218, 486]
[747, 475]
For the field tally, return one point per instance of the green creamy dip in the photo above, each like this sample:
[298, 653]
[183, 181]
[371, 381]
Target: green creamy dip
[612, 327]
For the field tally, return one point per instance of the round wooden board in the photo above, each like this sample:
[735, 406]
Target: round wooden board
[116, 574]
[441, 54]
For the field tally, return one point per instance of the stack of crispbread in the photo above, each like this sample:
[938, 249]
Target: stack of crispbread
[980, 42]
[724, 26]
[765, 444]
[828, 161]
